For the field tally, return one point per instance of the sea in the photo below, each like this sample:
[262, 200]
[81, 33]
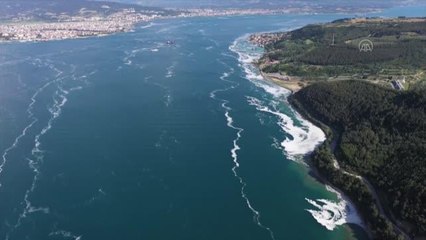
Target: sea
[165, 132]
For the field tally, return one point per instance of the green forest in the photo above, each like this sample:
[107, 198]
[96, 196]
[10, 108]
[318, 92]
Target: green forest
[323, 51]
[381, 135]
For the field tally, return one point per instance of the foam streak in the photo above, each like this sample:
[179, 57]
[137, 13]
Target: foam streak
[236, 147]
[37, 154]
[30, 115]
[304, 135]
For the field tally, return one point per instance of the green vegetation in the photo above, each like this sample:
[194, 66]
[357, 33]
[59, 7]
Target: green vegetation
[377, 132]
[381, 135]
[310, 52]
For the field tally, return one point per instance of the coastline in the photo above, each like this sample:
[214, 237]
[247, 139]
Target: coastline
[295, 84]
[329, 213]
[330, 143]
[314, 172]
[292, 84]
[77, 27]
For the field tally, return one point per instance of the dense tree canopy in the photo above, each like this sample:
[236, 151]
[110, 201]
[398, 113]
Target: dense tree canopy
[332, 49]
[382, 136]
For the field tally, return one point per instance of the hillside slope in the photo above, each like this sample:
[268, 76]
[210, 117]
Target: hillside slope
[332, 51]
[381, 136]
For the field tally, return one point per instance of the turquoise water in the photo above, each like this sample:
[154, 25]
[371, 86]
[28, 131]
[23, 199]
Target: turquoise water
[126, 137]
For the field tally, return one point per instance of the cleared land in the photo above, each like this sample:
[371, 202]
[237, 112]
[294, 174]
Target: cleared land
[331, 52]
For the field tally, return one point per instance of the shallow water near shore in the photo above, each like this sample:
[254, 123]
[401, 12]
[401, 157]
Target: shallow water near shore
[127, 137]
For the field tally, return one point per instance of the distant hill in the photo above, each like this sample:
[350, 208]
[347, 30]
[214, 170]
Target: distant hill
[262, 3]
[45, 9]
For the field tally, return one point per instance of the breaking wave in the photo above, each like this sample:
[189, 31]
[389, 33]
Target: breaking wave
[304, 139]
[331, 214]
[304, 136]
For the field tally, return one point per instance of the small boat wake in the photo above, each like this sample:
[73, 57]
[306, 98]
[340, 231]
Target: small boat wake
[300, 136]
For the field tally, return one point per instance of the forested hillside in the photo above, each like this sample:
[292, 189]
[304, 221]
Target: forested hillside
[322, 51]
[382, 136]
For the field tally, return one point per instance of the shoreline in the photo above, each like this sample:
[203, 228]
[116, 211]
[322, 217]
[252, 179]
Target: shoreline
[330, 132]
[349, 212]
[292, 84]
[127, 19]
[295, 84]
[121, 22]
[313, 170]
[330, 140]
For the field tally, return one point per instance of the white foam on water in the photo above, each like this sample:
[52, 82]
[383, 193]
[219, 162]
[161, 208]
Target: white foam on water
[248, 54]
[14, 145]
[304, 139]
[236, 147]
[37, 154]
[234, 155]
[276, 144]
[167, 97]
[34, 162]
[149, 25]
[202, 32]
[305, 136]
[59, 100]
[332, 214]
[97, 196]
[171, 70]
[129, 55]
[165, 141]
[224, 78]
[30, 114]
[65, 234]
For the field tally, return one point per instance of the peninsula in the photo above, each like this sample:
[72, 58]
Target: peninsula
[371, 103]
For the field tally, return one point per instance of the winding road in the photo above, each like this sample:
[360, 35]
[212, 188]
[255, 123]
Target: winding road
[371, 189]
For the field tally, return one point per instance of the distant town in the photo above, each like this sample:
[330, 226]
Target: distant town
[263, 39]
[89, 23]
[72, 27]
